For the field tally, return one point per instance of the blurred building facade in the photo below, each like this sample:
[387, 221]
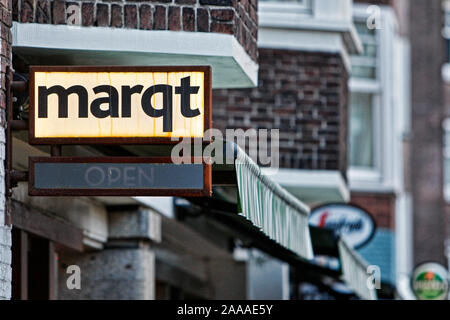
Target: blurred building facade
[5, 230]
[150, 248]
[125, 248]
[304, 59]
[343, 115]
[445, 126]
[418, 174]
[354, 87]
[379, 121]
[426, 146]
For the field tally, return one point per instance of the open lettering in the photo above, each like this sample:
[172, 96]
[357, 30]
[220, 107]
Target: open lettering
[108, 106]
[129, 176]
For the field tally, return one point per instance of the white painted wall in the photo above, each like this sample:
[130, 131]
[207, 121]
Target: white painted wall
[163, 205]
[232, 66]
[324, 26]
[5, 231]
[267, 278]
[5, 261]
[339, 10]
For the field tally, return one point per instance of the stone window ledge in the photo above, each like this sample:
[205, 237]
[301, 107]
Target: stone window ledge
[75, 45]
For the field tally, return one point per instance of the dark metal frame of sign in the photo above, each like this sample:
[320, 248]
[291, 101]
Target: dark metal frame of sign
[32, 139]
[33, 191]
[357, 207]
[13, 124]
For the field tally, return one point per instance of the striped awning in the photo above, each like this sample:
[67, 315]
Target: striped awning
[354, 270]
[284, 219]
[277, 213]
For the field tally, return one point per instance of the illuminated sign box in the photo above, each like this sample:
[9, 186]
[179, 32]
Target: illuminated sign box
[117, 176]
[118, 105]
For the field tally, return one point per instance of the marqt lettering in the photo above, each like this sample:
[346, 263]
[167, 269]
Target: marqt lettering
[108, 106]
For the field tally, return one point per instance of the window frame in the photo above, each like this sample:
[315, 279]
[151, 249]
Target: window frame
[380, 177]
[287, 6]
[446, 156]
[446, 122]
[282, 12]
[374, 172]
[373, 87]
[446, 28]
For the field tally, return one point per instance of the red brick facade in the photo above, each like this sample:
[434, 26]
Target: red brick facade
[236, 17]
[304, 95]
[6, 38]
[380, 206]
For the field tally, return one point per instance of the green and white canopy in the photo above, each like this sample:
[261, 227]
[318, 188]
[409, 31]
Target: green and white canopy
[277, 213]
[355, 272]
[284, 219]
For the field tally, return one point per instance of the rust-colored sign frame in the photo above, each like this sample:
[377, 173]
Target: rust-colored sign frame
[32, 191]
[32, 139]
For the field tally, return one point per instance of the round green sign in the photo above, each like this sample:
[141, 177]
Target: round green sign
[430, 282]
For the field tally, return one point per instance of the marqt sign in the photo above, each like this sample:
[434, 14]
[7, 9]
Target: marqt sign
[118, 104]
[352, 223]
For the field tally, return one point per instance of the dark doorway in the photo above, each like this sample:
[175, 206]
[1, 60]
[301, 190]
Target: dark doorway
[33, 266]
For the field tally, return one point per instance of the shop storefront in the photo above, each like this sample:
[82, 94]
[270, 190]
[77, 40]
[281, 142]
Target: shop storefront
[127, 245]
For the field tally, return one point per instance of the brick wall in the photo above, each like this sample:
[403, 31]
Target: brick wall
[381, 206]
[236, 17]
[304, 95]
[5, 263]
[5, 231]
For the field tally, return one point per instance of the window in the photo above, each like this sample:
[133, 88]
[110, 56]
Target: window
[365, 65]
[446, 35]
[285, 6]
[446, 157]
[362, 130]
[446, 124]
[377, 104]
[305, 3]
[330, 16]
[446, 30]
[364, 109]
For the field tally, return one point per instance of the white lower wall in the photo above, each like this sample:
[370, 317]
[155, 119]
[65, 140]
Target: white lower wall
[5, 263]
[267, 277]
[5, 231]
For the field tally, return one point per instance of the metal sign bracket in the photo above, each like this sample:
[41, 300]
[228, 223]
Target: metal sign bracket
[12, 177]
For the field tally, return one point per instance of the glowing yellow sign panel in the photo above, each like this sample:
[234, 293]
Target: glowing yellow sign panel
[118, 104]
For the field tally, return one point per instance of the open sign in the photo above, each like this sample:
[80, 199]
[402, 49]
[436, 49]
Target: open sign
[126, 105]
[118, 176]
